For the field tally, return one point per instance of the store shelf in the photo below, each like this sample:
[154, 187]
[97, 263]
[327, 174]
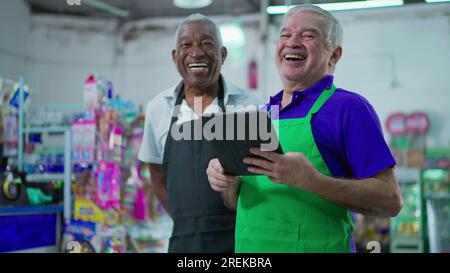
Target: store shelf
[45, 249]
[438, 196]
[66, 131]
[407, 245]
[54, 130]
[46, 177]
[41, 209]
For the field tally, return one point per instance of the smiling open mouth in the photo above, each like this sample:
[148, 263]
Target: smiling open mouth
[197, 66]
[294, 57]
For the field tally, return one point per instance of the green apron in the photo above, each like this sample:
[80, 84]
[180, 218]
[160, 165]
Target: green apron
[280, 218]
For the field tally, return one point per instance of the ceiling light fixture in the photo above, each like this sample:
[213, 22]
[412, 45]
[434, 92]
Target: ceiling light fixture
[232, 35]
[107, 7]
[191, 4]
[342, 6]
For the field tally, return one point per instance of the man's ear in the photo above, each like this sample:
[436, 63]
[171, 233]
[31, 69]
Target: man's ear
[174, 55]
[335, 56]
[224, 53]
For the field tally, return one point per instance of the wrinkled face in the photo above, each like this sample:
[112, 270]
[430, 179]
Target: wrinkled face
[198, 54]
[302, 54]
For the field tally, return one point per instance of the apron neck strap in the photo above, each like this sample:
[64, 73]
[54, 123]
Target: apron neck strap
[220, 95]
[321, 100]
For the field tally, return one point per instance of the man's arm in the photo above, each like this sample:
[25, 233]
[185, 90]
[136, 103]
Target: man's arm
[158, 183]
[230, 195]
[378, 195]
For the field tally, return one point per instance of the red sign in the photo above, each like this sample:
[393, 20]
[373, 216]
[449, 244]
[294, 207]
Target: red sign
[396, 124]
[417, 123]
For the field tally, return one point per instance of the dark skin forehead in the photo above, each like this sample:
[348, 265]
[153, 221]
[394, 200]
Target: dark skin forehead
[202, 29]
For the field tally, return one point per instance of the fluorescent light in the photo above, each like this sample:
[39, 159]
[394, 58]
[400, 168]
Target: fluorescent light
[277, 9]
[361, 5]
[191, 4]
[342, 5]
[107, 7]
[437, 1]
[232, 35]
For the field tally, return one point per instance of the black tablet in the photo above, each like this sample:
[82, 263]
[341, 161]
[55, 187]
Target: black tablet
[233, 134]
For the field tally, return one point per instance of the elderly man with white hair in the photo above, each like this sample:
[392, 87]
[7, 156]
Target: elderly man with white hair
[336, 159]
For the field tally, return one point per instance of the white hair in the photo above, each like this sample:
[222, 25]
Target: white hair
[198, 17]
[334, 32]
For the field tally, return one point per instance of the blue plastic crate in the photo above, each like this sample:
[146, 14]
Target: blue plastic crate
[19, 232]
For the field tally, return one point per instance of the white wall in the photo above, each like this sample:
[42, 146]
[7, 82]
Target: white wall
[64, 51]
[396, 57]
[14, 29]
[147, 66]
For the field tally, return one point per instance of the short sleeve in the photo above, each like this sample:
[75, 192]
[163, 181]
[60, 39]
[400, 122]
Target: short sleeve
[365, 148]
[149, 151]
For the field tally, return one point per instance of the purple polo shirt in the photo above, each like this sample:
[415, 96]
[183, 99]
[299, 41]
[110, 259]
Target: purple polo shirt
[346, 129]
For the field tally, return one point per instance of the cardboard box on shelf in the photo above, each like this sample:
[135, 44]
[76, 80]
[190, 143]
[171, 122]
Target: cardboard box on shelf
[416, 158]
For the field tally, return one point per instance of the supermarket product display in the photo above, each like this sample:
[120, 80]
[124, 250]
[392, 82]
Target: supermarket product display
[422, 224]
[8, 117]
[109, 189]
[111, 211]
[436, 184]
[408, 135]
[407, 229]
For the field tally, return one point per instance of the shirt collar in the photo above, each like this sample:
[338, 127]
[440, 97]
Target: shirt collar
[312, 92]
[173, 92]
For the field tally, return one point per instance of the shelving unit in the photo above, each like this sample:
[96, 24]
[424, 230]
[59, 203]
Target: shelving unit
[66, 176]
[15, 210]
[42, 178]
[59, 210]
[437, 197]
[407, 229]
[23, 132]
[438, 212]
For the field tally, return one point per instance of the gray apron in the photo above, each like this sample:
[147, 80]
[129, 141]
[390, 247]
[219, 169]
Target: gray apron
[202, 223]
